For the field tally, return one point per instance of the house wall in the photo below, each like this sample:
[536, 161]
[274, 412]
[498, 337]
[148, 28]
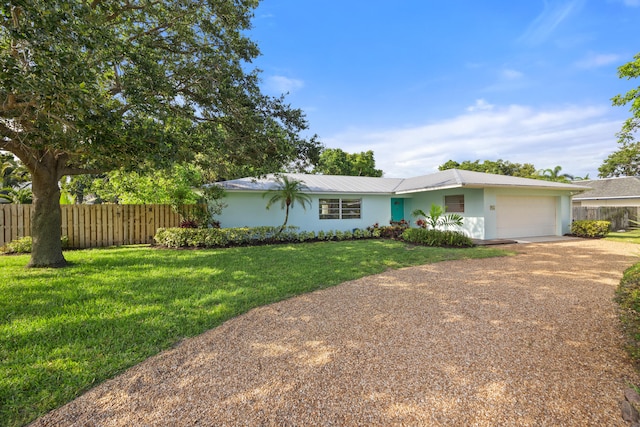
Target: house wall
[248, 209]
[480, 220]
[474, 221]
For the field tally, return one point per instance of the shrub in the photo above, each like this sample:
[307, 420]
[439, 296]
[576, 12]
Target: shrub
[224, 237]
[24, 244]
[430, 237]
[393, 231]
[628, 298]
[589, 228]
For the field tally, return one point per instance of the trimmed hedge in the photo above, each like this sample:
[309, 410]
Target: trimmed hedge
[225, 237]
[590, 228]
[628, 298]
[422, 236]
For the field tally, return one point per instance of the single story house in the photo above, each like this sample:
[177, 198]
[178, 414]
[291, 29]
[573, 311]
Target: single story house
[610, 192]
[493, 206]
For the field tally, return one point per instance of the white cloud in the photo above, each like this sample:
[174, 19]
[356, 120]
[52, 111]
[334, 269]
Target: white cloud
[595, 60]
[576, 138]
[480, 105]
[282, 84]
[553, 14]
[511, 74]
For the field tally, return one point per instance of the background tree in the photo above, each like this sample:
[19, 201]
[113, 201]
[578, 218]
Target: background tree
[93, 86]
[176, 185]
[498, 167]
[289, 192]
[334, 161]
[555, 175]
[626, 160]
[14, 179]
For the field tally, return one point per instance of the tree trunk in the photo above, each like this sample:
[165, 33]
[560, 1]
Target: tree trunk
[46, 219]
[286, 218]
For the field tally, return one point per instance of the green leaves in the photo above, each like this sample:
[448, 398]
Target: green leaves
[114, 84]
[626, 161]
[334, 161]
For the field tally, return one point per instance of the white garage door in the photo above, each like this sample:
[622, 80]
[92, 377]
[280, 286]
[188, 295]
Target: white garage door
[525, 216]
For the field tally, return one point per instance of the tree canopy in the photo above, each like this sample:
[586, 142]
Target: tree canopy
[505, 167]
[92, 86]
[498, 167]
[334, 161]
[626, 160]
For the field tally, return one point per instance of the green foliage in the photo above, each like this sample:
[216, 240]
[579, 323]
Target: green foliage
[590, 228]
[628, 298]
[23, 245]
[289, 192]
[12, 172]
[334, 161]
[436, 218]
[17, 196]
[499, 167]
[243, 236]
[623, 162]
[173, 186]
[64, 331]
[626, 160]
[438, 238]
[95, 86]
[555, 175]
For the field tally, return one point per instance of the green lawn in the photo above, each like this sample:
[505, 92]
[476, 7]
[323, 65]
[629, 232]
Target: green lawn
[631, 236]
[63, 331]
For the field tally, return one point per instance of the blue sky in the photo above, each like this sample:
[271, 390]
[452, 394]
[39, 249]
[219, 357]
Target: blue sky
[420, 82]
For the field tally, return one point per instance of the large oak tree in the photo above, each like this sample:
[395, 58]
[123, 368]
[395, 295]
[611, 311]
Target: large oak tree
[87, 86]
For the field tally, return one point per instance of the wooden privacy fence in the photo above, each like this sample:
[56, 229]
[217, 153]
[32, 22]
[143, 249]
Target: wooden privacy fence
[89, 226]
[618, 215]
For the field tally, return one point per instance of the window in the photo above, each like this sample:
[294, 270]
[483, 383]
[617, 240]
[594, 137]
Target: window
[340, 208]
[454, 203]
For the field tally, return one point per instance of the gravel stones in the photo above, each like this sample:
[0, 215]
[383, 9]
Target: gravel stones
[531, 339]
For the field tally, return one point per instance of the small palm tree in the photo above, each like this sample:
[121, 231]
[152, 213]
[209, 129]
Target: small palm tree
[290, 192]
[436, 218]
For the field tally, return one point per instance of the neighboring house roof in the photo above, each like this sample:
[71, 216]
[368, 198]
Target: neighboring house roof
[624, 187]
[451, 178]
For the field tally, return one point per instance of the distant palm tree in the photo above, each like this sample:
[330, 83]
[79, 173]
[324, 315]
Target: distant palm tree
[290, 192]
[554, 175]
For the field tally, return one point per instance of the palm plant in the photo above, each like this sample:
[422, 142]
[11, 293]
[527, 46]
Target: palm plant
[17, 196]
[289, 192]
[436, 218]
[555, 175]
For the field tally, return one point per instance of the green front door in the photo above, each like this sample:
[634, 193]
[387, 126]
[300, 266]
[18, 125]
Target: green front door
[397, 209]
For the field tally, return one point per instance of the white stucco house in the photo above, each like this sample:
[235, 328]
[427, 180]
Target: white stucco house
[493, 206]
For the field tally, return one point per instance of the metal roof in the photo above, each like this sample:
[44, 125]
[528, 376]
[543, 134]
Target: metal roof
[451, 178]
[623, 187]
[318, 184]
[457, 178]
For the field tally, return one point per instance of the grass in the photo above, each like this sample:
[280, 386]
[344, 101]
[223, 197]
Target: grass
[631, 236]
[63, 331]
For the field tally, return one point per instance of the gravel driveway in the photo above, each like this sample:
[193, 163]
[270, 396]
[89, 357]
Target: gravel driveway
[526, 340]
